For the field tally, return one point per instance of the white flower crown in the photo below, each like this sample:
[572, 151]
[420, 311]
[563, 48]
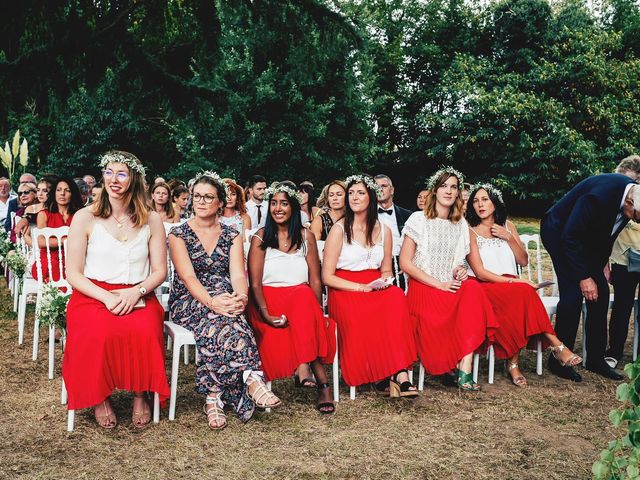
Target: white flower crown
[489, 188]
[214, 176]
[367, 180]
[279, 188]
[115, 157]
[431, 182]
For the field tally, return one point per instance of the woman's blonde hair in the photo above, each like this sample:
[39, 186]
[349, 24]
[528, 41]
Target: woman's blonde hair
[240, 203]
[135, 196]
[455, 212]
[323, 199]
[168, 207]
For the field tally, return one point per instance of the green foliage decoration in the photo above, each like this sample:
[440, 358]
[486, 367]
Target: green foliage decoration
[621, 459]
[53, 307]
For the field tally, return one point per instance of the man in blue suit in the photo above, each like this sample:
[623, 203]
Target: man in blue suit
[578, 232]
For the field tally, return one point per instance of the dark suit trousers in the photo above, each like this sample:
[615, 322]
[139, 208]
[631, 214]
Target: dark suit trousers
[625, 284]
[570, 307]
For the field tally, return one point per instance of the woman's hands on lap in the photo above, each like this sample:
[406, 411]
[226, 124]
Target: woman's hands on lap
[227, 304]
[122, 301]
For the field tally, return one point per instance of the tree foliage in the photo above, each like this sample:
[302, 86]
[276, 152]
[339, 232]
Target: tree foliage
[530, 94]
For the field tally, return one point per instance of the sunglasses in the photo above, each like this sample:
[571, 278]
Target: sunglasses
[26, 192]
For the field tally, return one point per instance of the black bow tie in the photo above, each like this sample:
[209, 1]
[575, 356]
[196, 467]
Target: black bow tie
[382, 210]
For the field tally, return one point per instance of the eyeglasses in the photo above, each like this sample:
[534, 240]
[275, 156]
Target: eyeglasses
[207, 198]
[26, 192]
[121, 176]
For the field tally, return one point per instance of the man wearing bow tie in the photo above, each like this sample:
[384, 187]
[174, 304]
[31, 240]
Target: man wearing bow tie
[578, 232]
[391, 215]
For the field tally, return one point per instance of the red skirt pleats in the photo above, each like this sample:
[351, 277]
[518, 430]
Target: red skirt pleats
[521, 316]
[105, 352]
[375, 331]
[309, 336]
[450, 325]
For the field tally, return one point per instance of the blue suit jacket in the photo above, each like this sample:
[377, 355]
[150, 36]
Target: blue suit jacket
[577, 230]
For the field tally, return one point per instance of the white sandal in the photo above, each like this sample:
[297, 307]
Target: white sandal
[573, 359]
[261, 396]
[215, 414]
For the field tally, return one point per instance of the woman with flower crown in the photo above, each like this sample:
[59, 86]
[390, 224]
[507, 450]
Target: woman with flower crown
[375, 331]
[496, 250]
[208, 297]
[284, 270]
[114, 321]
[453, 314]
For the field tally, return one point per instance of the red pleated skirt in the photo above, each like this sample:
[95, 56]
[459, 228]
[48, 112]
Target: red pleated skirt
[521, 315]
[450, 325]
[375, 331]
[105, 352]
[309, 336]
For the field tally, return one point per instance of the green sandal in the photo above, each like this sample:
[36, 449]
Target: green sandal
[465, 382]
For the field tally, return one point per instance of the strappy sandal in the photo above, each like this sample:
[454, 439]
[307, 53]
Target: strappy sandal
[518, 381]
[573, 359]
[326, 408]
[261, 396]
[465, 382]
[216, 418]
[106, 420]
[308, 382]
[141, 419]
[401, 389]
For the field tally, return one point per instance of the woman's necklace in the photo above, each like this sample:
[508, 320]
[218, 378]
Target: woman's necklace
[122, 223]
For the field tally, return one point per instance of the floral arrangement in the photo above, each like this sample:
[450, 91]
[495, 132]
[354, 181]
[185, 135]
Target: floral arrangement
[17, 262]
[213, 176]
[18, 151]
[367, 180]
[53, 307]
[280, 188]
[489, 188]
[431, 182]
[117, 157]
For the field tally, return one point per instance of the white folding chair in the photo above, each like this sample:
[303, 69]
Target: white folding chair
[46, 234]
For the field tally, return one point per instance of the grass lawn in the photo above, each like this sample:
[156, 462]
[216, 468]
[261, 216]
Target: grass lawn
[553, 429]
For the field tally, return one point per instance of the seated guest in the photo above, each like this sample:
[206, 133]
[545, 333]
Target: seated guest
[284, 271]
[208, 297]
[65, 200]
[31, 212]
[235, 213]
[496, 248]
[96, 190]
[334, 195]
[114, 321]
[422, 198]
[453, 314]
[376, 334]
[180, 195]
[14, 203]
[161, 202]
[26, 197]
[308, 202]
[85, 191]
[5, 197]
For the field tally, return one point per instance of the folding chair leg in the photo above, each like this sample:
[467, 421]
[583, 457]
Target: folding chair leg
[52, 344]
[175, 365]
[336, 377]
[492, 364]
[476, 365]
[186, 354]
[71, 415]
[63, 394]
[421, 378]
[22, 309]
[36, 339]
[539, 357]
[352, 393]
[156, 407]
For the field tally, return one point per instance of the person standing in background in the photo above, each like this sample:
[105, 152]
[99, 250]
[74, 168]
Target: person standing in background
[256, 209]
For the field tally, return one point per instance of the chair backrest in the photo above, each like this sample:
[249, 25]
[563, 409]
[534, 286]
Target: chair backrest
[14, 220]
[168, 226]
[320, 245]
[60, 234]
[527, 240]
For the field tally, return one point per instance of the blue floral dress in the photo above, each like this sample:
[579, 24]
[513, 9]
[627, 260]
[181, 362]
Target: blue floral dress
[226, 345]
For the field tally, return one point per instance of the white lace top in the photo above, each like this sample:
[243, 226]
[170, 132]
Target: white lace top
[356, 257]
[112, 261]
[234, 221]
[440, 244]
[496, 255]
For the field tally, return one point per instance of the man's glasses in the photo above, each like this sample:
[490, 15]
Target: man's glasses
[197, 198]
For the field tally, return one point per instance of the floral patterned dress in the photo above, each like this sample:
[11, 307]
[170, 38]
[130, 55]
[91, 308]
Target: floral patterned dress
[226, 345]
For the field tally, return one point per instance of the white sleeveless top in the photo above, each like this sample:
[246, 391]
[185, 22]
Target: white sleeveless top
[441, 245]
[496, 255]
[356, 257]
[285, 269]
[112, 261]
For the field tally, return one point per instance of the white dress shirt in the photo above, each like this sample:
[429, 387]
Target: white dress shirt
[620, 216]
[392, 222]
[252, 211]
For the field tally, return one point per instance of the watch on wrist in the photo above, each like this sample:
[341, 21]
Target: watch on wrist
[142, 290]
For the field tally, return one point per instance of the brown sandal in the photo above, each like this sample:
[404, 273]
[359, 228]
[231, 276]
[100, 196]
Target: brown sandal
[141, 419]
[216, 418]
[106, 420]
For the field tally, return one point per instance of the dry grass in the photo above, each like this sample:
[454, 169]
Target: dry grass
[553, 429]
